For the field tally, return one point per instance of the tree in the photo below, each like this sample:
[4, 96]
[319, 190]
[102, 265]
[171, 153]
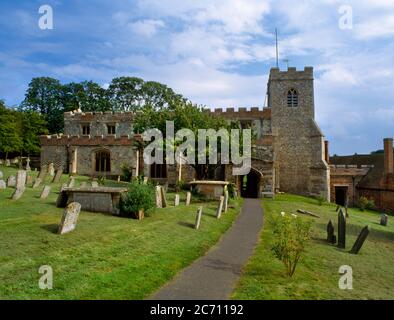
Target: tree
[125, 93]
[33, 125]
[45, 95]
[10, 135]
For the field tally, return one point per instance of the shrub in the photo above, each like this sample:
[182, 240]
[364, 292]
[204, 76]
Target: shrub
[362, 203]
[127, 172]
[232, 190]
[291, 236]
[181, 185]
[139, 197]
[370, 204]
[101, 180]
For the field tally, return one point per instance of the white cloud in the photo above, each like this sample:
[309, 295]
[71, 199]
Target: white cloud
[146, 28]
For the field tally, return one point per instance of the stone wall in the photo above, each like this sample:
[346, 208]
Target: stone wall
[299, 143]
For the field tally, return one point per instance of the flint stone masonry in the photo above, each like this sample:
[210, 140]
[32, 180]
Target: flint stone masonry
[101, 199]
[11, 181]
[45, 192]
[69, 218]
[20, 179]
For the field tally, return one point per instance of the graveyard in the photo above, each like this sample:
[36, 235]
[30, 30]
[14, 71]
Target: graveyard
[105, 256]
[317, 274]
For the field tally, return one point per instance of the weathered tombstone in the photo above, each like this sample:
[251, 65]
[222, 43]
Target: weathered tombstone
[29, 180]
[37, 183]
[176, 200]
[71, 182]
[28, 164]
[18, 193]
[20, 179]
[95, 184]
[118, 178]
[51, 169]
[383, 220]
[45, 192]
[331, 238]
[163, 197]
[360, 240]
[1, 175]
[341, 229]
[7, 163]
[43, 172]
[225, 200]
[159, 203]
[58, 175]
[2, 184]
[11, 181]
[69, 218]
[198, 218]
[188, 197]
[220, 207]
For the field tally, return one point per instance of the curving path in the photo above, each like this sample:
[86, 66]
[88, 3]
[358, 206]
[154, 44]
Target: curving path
[213, 276]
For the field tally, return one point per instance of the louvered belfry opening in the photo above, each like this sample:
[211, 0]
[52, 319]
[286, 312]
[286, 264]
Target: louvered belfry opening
[292, 98]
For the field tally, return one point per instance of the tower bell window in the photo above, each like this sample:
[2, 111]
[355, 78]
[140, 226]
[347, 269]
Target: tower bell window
[292, 98]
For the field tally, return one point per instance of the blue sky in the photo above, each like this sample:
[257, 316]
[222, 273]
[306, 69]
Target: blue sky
[216, 52]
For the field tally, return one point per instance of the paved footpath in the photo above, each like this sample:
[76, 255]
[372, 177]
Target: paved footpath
[213, 276]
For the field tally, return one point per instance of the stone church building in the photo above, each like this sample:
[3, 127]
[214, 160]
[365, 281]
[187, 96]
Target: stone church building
[289, 154]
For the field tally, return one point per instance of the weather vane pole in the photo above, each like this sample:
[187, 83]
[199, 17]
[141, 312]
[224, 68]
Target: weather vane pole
[277, 51]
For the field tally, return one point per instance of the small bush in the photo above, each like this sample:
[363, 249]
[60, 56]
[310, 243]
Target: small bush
[291, 236]
[363, 203]
[139, 197]
[127, 172]
[232, 190]
[370, 204]
[181, 185]
[101, 180]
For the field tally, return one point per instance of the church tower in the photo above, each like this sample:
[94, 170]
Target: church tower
[300, 164]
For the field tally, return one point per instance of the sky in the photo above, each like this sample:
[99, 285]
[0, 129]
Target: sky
[217, 53]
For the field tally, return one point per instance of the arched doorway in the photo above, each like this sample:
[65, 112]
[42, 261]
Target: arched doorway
[250, 184]
[102, 161]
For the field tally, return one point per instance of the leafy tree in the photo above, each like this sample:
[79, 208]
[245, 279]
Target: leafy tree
[125, 93]
[45, 95]
[10, 135]
[33, 125]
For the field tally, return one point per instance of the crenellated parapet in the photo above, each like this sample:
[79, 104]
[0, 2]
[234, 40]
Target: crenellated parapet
[88, 140]
[243, 113]
[291, 74]
[110, 116]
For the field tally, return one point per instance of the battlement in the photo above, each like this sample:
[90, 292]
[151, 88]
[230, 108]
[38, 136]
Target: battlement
[291, 74]
[100, 116]
[243, 113]
[88, 140]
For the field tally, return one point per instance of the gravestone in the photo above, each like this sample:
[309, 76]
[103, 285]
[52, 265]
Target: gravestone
[2, 184]
[159, 203]
[43, 172]
[11, 181]
[383, 220]
[45, 192]
[37, 183]
[163, 197]
[220, 207]
[176, 201]
[20, 179]
[341, 229]
[28, 164]
[198, 218]
[69, 218]
[58, 175]
[225, 200]
[331, 238]
[51, 169]
[188, 197]
[1, 175]
[29, 180]
[95, 184]
[18, 193]
[7, 163]
[71, 182]
[360, 240]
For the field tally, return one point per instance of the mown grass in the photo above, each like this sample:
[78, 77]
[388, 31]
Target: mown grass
[317, 274]
[106, 257]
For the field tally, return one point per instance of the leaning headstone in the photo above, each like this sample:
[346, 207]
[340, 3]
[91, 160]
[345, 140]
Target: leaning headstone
[188, 197]
[3, 185]
[1, 175]
[95, 184]
[198, 218]
[220, 207]
[7, 163]
[20, 179]
[43, 172]
[29, 180]
[37, 183]
[225, 200]
[176, 200]
[383, 220]
[18, 193]
[58, 175]
[341, 229]
[159, 203]
[51, 169]
[45, 192]
[71, 182]
[331, 238]
[69, 218]
[163, 197]
[11, 181]
[360, 240]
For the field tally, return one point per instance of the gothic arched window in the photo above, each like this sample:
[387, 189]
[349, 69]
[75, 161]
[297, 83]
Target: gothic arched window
[292, 98]
[103, 161]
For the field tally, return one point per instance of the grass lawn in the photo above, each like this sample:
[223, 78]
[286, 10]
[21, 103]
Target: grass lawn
[105, 257]
[317, 273]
